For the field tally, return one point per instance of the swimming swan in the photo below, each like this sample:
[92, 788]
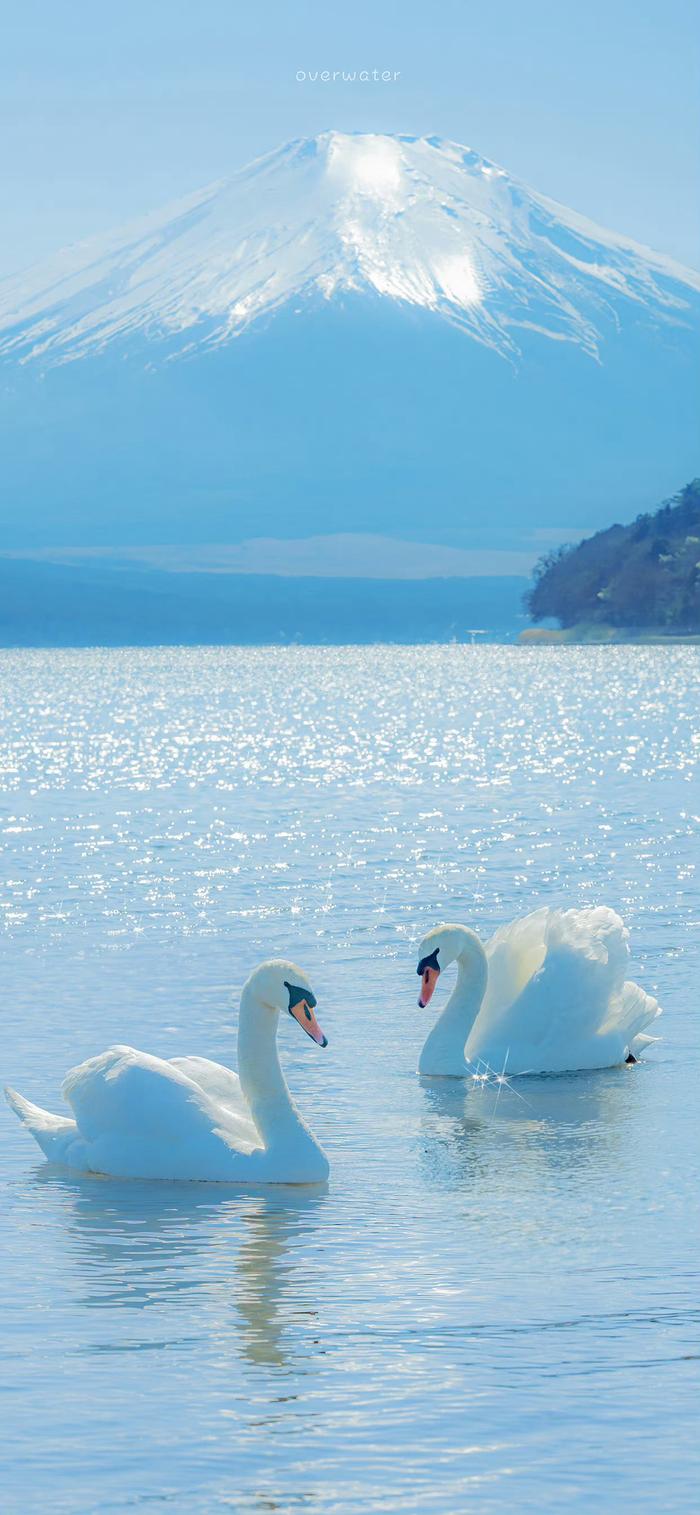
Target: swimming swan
[138, 1116]
[547, 994]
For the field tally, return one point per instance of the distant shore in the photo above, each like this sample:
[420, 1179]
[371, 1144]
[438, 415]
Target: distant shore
[119, 604]
[606, 636]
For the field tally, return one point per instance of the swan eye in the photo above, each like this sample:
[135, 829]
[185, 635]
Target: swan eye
[426, 963]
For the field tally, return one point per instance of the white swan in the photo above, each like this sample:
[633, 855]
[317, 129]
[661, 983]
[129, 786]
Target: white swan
[547, 994]
[138, 1116]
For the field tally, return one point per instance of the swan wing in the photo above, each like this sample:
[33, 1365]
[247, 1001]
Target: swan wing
[514, 953]
[142, 1117]
[576, 1009]
[569, 998]
[222, 1085]
[597, 937]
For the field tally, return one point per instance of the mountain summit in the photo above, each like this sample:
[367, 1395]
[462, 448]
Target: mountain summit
[369, 334]
[420, 221]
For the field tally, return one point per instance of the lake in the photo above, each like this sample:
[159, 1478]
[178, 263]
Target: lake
[494, 1304]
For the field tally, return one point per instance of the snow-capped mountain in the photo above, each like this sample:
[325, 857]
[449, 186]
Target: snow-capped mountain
[356, 333]
[422, 221]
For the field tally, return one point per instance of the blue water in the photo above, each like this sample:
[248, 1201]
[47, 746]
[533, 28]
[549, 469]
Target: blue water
[494, 1305]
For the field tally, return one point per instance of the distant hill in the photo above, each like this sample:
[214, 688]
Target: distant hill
[629, 577]
[48, 605]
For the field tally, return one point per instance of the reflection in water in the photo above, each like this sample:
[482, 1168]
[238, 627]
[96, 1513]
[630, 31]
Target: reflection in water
[140, 1245]
[563, 1126]
[269, 1287]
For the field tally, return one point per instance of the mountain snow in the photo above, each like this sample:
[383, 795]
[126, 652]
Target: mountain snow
[420, 221]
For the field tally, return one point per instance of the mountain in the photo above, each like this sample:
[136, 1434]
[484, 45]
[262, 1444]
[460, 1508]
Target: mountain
[370, 332]
[418, 221]
[643, 575]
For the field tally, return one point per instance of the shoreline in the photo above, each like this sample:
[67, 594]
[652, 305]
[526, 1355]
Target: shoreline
[606, 636]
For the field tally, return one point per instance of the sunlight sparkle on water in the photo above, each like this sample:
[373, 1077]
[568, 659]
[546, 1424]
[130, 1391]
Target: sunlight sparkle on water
[500, 1283]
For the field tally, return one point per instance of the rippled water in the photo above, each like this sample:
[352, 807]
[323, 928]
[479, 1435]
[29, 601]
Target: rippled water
[494, 1306]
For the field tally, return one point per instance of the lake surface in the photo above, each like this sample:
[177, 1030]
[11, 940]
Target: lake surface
[494, 1304]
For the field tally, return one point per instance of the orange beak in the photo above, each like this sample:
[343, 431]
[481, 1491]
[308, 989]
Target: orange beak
[303, 1013]
[429, 979]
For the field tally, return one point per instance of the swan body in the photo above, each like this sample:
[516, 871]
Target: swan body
[138, 1116]
[546, 994]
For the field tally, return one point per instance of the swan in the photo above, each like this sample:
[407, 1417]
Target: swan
[138, 1116]
[546, 994]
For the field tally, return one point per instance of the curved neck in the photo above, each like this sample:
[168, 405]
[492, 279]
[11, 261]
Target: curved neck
[443, 1052]
[262, 1080]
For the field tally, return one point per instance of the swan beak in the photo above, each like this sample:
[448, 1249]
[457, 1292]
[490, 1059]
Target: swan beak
[303, 1013]
[429, 979]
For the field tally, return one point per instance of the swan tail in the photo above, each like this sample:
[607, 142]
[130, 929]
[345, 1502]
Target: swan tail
[53, 1133]
[634, 1011]
[640, 1043]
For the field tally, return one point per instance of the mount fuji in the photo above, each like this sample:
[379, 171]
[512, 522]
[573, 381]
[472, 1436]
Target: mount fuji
[355, 333]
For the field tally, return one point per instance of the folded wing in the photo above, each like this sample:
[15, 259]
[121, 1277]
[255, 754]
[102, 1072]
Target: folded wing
[141, 1117]
[223, 1086]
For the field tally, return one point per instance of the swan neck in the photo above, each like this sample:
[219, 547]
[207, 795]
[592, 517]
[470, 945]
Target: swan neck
[464, 1003]
[443, 1052]
[262, 1080]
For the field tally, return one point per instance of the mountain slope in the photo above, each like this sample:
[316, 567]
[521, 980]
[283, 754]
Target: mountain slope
[420, 221]
[386, 335]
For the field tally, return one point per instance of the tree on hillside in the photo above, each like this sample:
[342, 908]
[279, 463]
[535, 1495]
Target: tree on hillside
[643, 575]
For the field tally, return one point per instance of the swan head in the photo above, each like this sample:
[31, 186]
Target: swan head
[283, 988]
[440, 947]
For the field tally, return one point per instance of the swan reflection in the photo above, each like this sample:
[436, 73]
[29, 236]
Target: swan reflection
[517, 1131]
[151, 1247]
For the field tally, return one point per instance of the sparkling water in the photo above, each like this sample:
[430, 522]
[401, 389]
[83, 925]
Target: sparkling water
[494, 1304]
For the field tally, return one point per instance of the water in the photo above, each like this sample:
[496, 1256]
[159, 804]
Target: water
[494, 1305]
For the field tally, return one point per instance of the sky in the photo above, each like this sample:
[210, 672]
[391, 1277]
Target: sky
[107, 112]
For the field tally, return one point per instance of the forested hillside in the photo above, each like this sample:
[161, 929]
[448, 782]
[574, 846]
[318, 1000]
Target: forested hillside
[643, 575]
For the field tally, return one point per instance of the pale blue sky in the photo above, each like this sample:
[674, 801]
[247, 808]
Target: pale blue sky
[108, 111]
